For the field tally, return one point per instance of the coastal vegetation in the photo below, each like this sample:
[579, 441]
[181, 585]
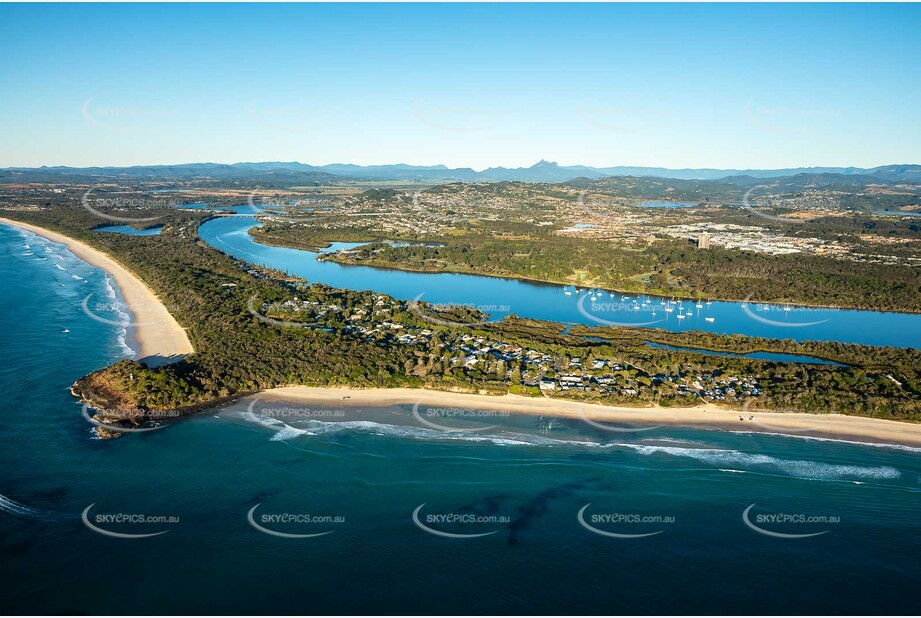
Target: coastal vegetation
[255, 329]
[837, 256]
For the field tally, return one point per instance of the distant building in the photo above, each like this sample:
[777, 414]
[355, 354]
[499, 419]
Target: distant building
[703, 241]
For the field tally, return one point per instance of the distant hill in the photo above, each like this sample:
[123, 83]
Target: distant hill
[280, 173]
[270, 174]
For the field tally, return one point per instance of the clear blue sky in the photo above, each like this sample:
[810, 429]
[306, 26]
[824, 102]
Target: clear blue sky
[465, 85]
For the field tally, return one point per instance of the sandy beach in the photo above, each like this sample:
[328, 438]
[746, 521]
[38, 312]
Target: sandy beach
[834, 426]
[159, 336]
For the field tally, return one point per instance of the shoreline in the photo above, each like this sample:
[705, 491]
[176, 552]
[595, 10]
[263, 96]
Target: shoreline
[160, 339]
[547, 282]
[856, 429]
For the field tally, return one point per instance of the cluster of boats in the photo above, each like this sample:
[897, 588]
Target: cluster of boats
[647, 303]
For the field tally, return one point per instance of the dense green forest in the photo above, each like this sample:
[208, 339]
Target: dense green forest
[667, 267]
[238, 353]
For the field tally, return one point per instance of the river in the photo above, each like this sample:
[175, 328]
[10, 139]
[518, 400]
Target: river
[499, 297]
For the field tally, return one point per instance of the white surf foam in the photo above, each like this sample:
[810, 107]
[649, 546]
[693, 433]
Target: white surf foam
[122, 316]
[726, 460]
[9, 505]
[794, 467]
[898, 447]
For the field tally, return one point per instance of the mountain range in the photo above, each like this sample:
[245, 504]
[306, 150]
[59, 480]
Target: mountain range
[288, 173]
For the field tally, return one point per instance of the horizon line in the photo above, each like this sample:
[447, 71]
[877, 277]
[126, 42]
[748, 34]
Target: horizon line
[447, 167]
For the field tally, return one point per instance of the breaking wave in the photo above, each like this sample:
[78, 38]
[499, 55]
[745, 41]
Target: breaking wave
[8, 505]
[727, 460]
[794, 467]
[898, 447]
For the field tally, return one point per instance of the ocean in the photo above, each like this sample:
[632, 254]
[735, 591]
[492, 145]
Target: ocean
[273, 508]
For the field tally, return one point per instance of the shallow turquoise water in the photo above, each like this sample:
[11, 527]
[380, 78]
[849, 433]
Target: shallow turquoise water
[374, 467]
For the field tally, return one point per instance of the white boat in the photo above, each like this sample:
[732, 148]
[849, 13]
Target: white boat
[710, 319]
[567, 292]
[669, 309]
[699, 306]
[709, 302]
[680, 316]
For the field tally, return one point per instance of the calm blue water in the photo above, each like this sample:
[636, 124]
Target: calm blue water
[373, 468]
[130, 231]
[499, 297]
[661, 204]
[898, 213]
[768, 356]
